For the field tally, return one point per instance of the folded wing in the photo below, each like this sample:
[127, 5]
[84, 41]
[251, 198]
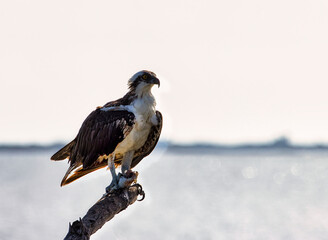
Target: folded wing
[98, 136]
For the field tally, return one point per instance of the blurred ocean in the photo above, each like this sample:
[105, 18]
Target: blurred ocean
[230, 194]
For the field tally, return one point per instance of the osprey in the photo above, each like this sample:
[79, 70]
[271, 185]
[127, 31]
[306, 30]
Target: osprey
[120, 133]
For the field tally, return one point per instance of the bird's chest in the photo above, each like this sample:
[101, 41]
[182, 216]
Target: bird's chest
[144, 115]
[136, 138]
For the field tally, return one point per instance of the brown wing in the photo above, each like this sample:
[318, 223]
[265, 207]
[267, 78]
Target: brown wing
[151, 142]
[64, 152]
[99, 135]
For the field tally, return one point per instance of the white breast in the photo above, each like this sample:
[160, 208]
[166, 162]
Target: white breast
[144, 111]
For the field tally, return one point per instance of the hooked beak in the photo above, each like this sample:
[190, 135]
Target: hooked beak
[155, 80]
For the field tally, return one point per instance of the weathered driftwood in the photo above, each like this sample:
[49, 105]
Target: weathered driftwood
[104, 210]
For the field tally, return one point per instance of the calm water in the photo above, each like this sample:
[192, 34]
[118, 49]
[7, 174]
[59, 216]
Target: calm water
[230, 195]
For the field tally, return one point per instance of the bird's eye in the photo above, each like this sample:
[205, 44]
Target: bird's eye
[144, 77]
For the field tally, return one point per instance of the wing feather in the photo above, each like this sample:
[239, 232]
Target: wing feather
[64, 152]
[99, 135]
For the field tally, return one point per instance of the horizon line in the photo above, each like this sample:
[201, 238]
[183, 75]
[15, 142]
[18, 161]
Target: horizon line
[277, 142]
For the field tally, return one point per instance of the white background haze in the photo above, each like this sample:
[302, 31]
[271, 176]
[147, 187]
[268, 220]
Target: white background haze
[230, 71]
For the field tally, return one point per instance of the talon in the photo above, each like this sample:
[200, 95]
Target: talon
[140, 191]
[127, 179]
[112, 187]
[109, 190]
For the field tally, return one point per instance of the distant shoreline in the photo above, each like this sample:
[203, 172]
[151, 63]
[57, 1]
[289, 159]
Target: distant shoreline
[279, 144]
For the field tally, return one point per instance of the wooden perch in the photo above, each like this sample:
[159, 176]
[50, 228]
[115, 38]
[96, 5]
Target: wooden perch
[103, 211]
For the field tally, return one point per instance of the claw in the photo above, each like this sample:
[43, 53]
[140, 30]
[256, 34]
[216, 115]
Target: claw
[112, 187]
[140, 191]
[123, 181]
[127, 179]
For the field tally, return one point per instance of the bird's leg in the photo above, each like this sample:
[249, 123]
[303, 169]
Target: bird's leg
[114, 184]
[126, 162]
[127, 177]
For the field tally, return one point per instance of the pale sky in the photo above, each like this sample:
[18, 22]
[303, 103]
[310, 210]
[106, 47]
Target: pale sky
[230, 71]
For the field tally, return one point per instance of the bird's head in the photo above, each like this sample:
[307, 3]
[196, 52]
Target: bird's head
[143, 81]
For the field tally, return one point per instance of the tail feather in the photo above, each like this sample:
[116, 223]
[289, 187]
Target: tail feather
[64, 152]
[80, 172]
[68, 172]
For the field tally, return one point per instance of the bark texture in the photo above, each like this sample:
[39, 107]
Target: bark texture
[103, 211]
